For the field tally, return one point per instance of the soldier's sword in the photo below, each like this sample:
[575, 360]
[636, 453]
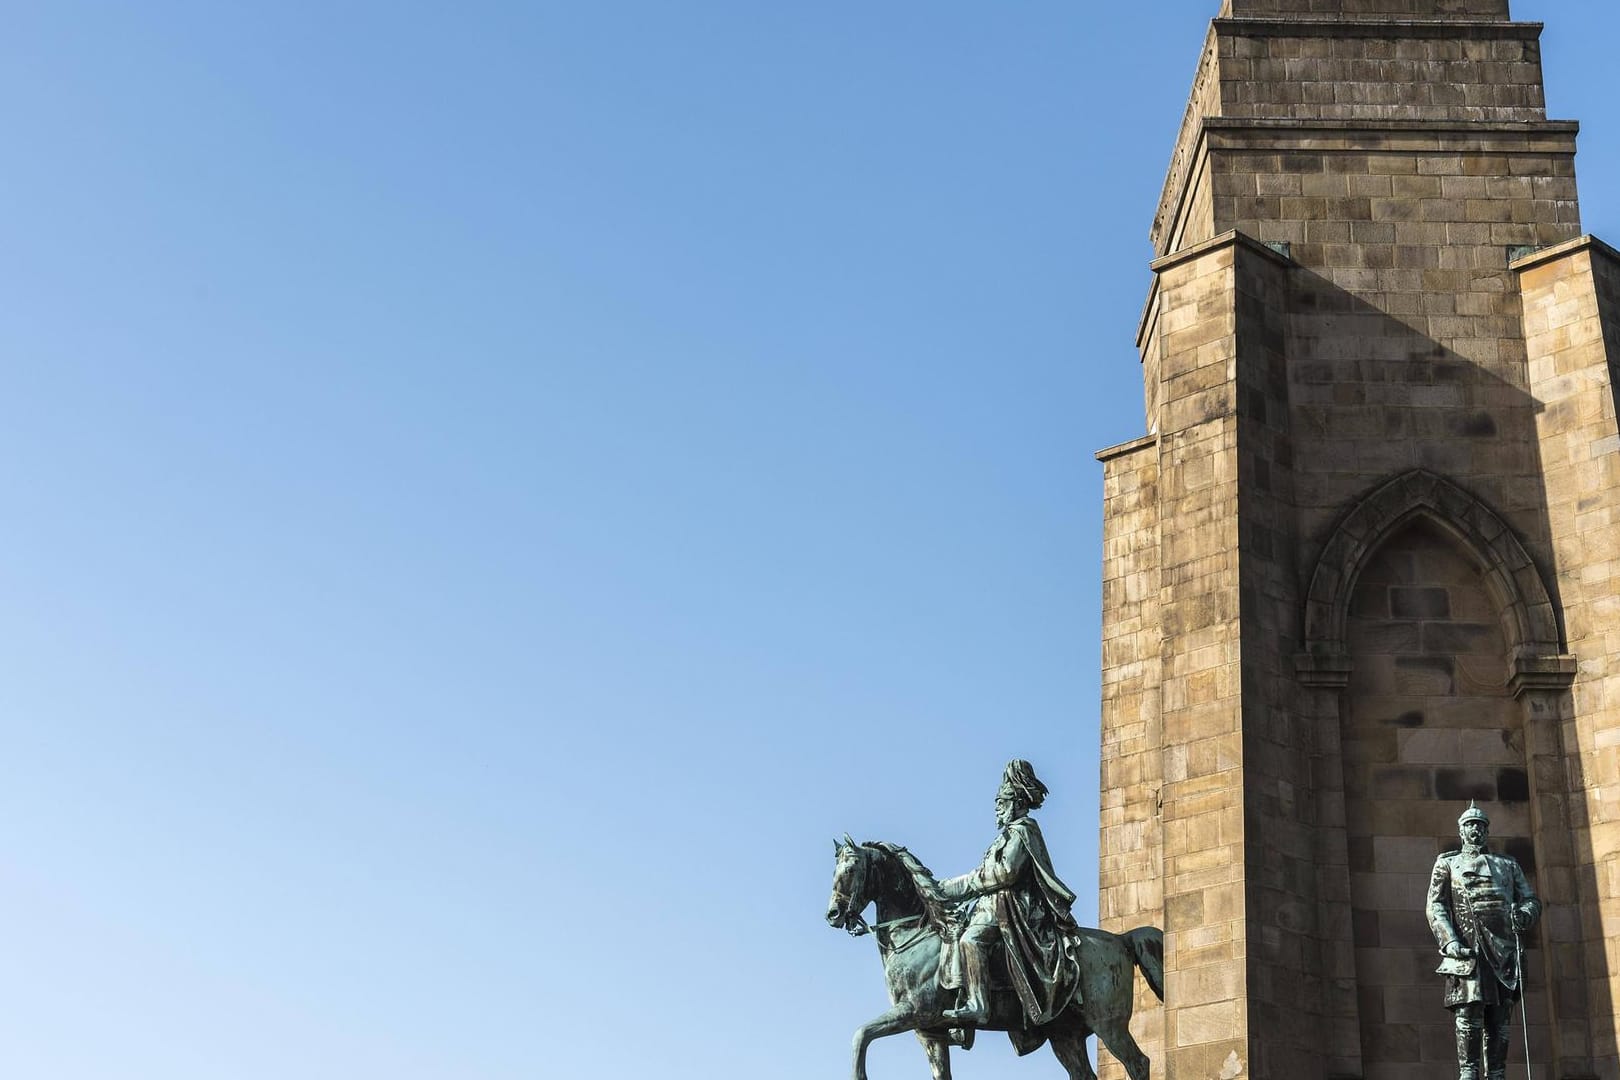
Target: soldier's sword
[1524, 1012]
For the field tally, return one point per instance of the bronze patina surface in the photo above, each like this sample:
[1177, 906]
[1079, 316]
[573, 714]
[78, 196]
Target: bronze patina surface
[995, 949]
[1479, 905]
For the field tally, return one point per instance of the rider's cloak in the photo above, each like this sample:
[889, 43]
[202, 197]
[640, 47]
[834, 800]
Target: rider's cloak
[1031, 908]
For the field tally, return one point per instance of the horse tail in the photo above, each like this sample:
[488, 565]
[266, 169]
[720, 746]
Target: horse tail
[1147, 949]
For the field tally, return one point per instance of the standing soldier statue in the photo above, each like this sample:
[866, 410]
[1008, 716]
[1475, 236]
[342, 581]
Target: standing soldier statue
[1479, 903]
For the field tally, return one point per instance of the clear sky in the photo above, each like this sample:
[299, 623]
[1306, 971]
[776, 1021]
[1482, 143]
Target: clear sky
[491, 489]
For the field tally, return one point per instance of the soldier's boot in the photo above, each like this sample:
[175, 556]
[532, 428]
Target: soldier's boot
[1498, 1032]
[975, 1007]
[1470, 1036]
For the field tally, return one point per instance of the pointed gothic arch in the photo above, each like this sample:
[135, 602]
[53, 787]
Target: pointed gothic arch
[1529, 619]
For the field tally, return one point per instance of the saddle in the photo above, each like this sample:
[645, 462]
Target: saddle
[950, 969]
[1024, 1040]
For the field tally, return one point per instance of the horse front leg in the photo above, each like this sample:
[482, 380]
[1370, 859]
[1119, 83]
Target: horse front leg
[938, 1048]
[898, 1019]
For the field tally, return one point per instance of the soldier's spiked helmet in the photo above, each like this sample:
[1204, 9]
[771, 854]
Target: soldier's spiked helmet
[1473, 813]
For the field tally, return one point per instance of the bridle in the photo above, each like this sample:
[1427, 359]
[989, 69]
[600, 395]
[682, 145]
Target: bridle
[854, 922]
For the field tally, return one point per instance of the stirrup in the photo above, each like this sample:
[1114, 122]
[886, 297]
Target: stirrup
[966, 1017]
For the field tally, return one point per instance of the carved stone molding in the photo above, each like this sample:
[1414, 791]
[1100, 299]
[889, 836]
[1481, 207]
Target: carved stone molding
[1528, 616]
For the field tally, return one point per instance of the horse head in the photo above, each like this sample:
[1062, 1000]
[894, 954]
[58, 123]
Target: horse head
[850, 888]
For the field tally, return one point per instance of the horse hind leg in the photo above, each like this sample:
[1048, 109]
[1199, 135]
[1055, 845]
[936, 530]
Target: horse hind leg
[1071, 1054]
[938, 1048]
[1116, 1035]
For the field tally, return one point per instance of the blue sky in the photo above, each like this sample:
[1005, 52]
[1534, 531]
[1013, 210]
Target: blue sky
[491, 491]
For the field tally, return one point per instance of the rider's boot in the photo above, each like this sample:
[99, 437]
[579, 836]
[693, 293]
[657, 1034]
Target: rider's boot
[975, 1008]
[1498, 1029]
[1470, 1029]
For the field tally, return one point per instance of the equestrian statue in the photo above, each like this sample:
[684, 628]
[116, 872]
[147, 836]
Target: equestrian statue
[995, 949]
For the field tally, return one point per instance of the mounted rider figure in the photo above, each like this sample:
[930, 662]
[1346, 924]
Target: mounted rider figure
[1020, 903]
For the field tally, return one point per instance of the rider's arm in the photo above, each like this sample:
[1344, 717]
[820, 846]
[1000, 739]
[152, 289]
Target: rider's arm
[1002, 868]
[999, 870]
[1526, 908]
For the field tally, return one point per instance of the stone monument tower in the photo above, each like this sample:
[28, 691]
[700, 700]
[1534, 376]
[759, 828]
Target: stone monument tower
[1365, 564]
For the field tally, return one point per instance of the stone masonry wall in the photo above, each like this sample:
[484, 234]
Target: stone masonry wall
[1174, 691]
[1398, 153]
[1438, 88]
[1406, 345]
[1132, 842]
[1427, 9]
[1380, 75]
[1193, 223]
[1201, 799]
[1283, 940]
[1571, 299]
[1429, 723]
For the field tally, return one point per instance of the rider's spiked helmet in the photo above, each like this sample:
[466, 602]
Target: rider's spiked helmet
[1473, 813]
[1019, 781]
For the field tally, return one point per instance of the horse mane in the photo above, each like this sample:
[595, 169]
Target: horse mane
[937, 911]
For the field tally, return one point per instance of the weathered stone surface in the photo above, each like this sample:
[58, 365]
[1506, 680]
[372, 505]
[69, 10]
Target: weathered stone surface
[1429, 9]
[1364, 563]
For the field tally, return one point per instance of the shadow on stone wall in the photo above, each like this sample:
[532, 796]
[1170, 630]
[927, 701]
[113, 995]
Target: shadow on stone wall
[1432, 666]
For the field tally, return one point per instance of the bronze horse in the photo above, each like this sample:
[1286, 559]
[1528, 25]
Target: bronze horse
[912, 919]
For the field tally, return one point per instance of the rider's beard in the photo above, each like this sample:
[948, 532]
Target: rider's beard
[1473, 847]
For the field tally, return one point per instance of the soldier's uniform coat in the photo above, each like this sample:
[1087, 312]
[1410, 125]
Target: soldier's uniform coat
[1472, 900]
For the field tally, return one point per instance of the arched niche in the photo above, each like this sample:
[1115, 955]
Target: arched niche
[1529, 618]
[1423, 706]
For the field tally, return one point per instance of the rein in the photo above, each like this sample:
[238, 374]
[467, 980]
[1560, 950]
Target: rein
[886, 929]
